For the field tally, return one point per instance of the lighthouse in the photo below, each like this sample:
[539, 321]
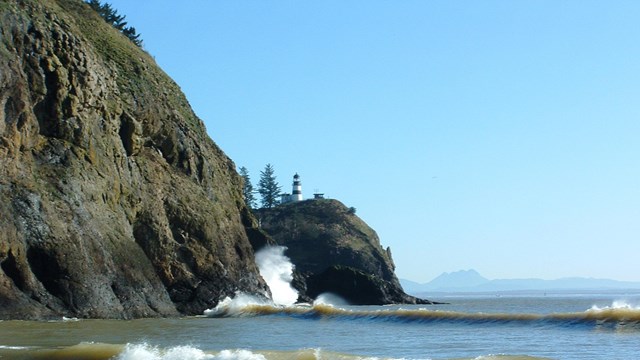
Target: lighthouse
[296, 194]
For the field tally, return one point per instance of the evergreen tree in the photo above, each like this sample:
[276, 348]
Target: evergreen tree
[268, 187]
[130, 32]
[111, 16]
[247, 188]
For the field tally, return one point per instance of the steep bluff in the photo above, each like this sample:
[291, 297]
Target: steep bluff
[114, 202]
[334, 251]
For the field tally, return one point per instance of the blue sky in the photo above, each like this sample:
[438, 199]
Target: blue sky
[496, 135]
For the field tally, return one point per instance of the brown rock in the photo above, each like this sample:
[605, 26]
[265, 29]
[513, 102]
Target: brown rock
[334, 251]
[114, 203]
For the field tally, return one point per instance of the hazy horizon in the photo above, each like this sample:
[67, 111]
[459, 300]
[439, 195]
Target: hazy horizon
[518, 278]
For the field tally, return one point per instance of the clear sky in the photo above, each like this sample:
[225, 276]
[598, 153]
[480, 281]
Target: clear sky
[502, 136]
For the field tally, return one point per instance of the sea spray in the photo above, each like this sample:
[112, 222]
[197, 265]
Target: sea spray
[147, 352]
[330, 299]
[238, 355]
[235, 306]
[277, 271]
[617, 305]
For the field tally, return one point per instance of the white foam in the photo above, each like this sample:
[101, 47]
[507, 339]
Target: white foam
[616, 305]
[8, 347]
[148, 352]
[238, 355]
[234, 306]
[330, 299]
[277, 271]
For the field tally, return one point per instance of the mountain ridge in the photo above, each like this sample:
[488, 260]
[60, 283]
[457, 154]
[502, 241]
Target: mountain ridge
[472, 281]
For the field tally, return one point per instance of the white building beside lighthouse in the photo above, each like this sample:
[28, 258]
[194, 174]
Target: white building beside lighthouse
[296, 194]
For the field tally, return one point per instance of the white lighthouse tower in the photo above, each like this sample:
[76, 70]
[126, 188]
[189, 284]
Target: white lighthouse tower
[296, 194]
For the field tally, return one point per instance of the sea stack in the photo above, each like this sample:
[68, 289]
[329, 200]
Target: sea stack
[334, 251]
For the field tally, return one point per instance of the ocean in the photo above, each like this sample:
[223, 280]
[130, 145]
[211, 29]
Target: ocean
[491, 326]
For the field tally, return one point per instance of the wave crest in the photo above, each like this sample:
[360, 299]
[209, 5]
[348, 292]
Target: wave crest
[616, 315]
[617, 305]
[236, 306]
[147, 352]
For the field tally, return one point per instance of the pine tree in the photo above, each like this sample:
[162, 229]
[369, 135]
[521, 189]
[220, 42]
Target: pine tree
[111, 16]
[130, 32]
[268, 187]
[247, 188]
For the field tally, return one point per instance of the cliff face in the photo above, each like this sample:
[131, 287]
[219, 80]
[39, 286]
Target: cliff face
[334, 251]
[114, 203]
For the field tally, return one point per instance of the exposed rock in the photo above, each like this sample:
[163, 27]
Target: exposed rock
[334, 251]
[114, 203]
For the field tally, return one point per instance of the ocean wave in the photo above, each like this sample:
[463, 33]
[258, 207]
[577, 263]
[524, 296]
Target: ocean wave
[617, 305]
[143, 351]
[508, 357]
[147, 352]
[84, 350]
[9, 347]
[616, 315]
[248, 305]
[236, 306]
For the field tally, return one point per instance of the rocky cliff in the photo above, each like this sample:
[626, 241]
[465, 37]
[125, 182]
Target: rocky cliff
[334, 251]
[114, 203]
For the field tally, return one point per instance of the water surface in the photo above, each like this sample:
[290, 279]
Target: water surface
[567, 326]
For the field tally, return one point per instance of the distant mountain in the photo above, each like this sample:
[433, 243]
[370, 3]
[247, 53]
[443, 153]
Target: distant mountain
[472, 281]
[458, 279]
[452, 281]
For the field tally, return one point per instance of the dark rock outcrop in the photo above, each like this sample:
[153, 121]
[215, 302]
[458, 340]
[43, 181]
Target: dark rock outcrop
[334, 251]
[114, 202]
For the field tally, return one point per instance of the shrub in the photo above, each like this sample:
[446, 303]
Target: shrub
[111, 16]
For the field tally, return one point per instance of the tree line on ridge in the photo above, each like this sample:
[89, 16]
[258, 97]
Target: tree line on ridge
[268, 188]
[111, 16]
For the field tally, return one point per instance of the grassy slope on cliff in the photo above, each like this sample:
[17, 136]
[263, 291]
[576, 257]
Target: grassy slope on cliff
[138, 72]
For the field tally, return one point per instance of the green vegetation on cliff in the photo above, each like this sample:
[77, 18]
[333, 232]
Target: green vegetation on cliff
[111, 16]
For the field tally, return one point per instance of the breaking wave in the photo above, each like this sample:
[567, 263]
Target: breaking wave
[143, 351]
[146, 352]
[277, 271]
[236, 306]
[617, 305]
[618, 315]
[8, 347]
